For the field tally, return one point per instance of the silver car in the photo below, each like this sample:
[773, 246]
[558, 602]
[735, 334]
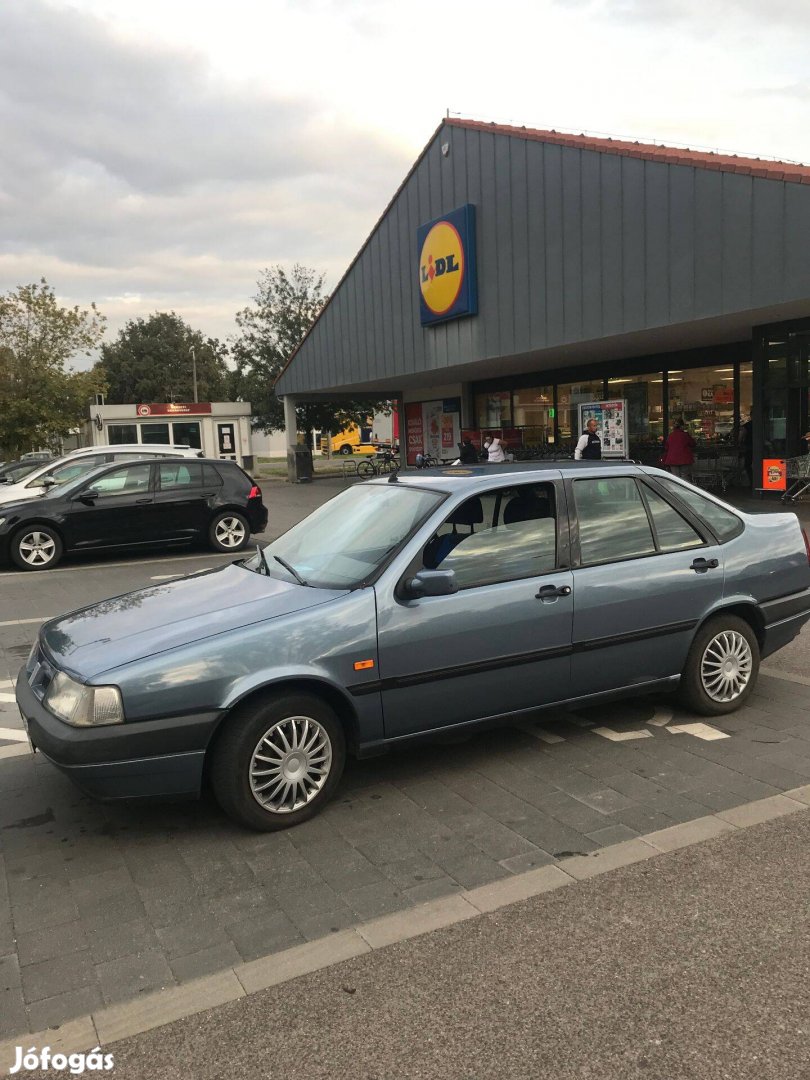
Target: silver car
[436, 601]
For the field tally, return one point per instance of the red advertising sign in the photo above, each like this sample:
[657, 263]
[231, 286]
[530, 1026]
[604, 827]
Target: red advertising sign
[774, 474]
[415, 443]
[174, 408]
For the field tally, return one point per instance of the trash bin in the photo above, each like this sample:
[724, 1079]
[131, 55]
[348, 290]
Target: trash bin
[299, 465]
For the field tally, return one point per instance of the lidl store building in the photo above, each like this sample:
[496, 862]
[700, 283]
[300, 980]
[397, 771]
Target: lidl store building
[518, 274]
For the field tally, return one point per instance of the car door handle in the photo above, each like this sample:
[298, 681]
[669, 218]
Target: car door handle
[546, 592]
[701, 565]
[139, 501]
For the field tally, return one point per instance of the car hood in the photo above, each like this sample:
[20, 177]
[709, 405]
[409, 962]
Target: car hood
[174, 613]
[11, 493]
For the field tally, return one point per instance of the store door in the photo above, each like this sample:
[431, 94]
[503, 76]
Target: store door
[226, 441]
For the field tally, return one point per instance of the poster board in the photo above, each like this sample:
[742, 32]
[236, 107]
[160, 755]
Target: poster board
[611, 425]
[434, 427]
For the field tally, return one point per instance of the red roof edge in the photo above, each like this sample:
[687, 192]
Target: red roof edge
[669, 155]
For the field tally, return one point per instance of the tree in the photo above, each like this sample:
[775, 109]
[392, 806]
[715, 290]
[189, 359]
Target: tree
[271, 329]
[41, 399]
[151, 360]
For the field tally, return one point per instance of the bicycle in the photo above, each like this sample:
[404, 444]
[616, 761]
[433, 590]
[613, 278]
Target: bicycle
[427, 461]
[383, 463]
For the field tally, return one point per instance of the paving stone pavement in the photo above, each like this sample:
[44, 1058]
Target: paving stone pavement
[99, 903]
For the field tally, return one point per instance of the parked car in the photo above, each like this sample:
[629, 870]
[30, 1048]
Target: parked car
[154, 503]
[37, 455]
[79, 462]
[406, 606]
[12, 471]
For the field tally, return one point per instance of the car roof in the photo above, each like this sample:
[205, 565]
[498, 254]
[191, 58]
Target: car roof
[124, 448]
[464, 477]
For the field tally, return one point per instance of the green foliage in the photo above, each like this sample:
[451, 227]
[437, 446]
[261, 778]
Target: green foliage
[271, 329]
[151, 360]
[41, 399]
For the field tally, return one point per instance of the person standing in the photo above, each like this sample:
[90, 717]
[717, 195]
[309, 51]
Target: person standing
[747, 445]
[468, 455]
[589, 446]
[495, 451]
[679, 451]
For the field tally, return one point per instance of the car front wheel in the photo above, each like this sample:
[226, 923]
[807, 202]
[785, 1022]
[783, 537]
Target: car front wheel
[277, 763]
[229, 531]
[345, 449]
[36, 547]
[722, 666]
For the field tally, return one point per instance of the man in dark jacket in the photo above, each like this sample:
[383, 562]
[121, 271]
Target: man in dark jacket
[589, 447]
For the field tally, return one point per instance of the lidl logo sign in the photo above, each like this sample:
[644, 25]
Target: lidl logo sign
[447, 279]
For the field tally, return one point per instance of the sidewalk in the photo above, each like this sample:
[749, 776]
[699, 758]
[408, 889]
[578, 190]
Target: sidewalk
[687, 966]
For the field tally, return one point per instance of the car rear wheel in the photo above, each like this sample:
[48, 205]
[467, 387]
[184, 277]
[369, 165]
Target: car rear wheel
[36, 547]
[229, 531]
[722, 666]
[277, 763]
[345, 449]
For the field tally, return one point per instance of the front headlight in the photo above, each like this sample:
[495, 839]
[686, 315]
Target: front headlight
[83, 706]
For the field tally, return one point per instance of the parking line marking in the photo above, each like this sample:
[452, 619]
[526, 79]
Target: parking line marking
[13, 734]
[7, 699]
[661, 717]
[700, 731]
[27, 622]
[133, 562]
[622, 736]
[547, 736]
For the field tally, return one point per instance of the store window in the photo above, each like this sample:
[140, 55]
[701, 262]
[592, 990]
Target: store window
[493, 409]
[644, 395]
[704, 399]
[117, 434]
[187, 433]
[534, 413]
[155, 433]
[569, 397]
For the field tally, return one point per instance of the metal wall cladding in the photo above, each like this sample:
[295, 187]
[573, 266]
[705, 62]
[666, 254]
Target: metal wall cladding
[573, 245]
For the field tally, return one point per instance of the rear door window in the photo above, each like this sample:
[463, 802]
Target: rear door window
[613, 522]
[181, 474]
[672, 531]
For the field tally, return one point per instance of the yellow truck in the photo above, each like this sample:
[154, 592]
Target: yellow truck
[353, 440]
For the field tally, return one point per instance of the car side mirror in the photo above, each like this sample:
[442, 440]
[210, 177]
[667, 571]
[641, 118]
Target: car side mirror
[430, 583]
[88, 497]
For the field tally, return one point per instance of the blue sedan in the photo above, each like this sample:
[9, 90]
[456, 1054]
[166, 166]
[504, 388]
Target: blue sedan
[441, 600]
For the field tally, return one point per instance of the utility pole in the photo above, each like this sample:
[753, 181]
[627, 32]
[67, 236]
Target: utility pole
[194, 370]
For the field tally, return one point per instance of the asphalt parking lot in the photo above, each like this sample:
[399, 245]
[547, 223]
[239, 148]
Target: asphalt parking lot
[99, 903]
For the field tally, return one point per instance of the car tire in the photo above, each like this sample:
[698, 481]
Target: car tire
[245, 783]
[229, 532]
[721, 668]
[345, 449]
[36, 547]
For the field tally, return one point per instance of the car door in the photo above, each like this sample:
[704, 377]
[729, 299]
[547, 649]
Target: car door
[181, 502]
[645, 575]
[114, 509]
[500, 644]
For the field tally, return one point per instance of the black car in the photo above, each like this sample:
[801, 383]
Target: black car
[156, 503]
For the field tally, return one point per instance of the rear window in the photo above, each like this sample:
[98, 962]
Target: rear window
[723, 523]
[211, 477]
[182, 474]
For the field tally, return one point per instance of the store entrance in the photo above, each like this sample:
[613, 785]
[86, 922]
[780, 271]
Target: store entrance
[787, 412]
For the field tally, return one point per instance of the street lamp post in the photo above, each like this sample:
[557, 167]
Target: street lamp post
[194, 370]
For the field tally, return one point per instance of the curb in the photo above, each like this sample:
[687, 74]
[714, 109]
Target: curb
[163, 1007]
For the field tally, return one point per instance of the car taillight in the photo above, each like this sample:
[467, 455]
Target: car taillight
[806, 544]
[256, 493]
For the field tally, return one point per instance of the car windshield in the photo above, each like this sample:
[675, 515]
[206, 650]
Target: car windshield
[343, 543]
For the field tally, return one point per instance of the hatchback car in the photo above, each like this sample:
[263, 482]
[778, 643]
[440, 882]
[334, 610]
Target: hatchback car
[159, 502]
[403, 607]
[78, 462]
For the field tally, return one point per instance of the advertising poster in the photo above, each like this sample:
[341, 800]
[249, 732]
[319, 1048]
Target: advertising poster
[610, 417]
[432, 413]
[415, 434]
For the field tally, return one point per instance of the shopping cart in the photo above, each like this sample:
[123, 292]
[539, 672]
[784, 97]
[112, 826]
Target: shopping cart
[798, 475]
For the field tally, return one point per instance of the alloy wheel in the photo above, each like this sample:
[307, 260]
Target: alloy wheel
[230, 532]
[290, 764]
[37, 548]
[726, 666]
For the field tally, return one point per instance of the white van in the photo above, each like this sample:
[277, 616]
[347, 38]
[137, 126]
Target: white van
[82, 461]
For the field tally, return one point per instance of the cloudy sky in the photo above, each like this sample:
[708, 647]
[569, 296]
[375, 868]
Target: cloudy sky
[157, 154]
